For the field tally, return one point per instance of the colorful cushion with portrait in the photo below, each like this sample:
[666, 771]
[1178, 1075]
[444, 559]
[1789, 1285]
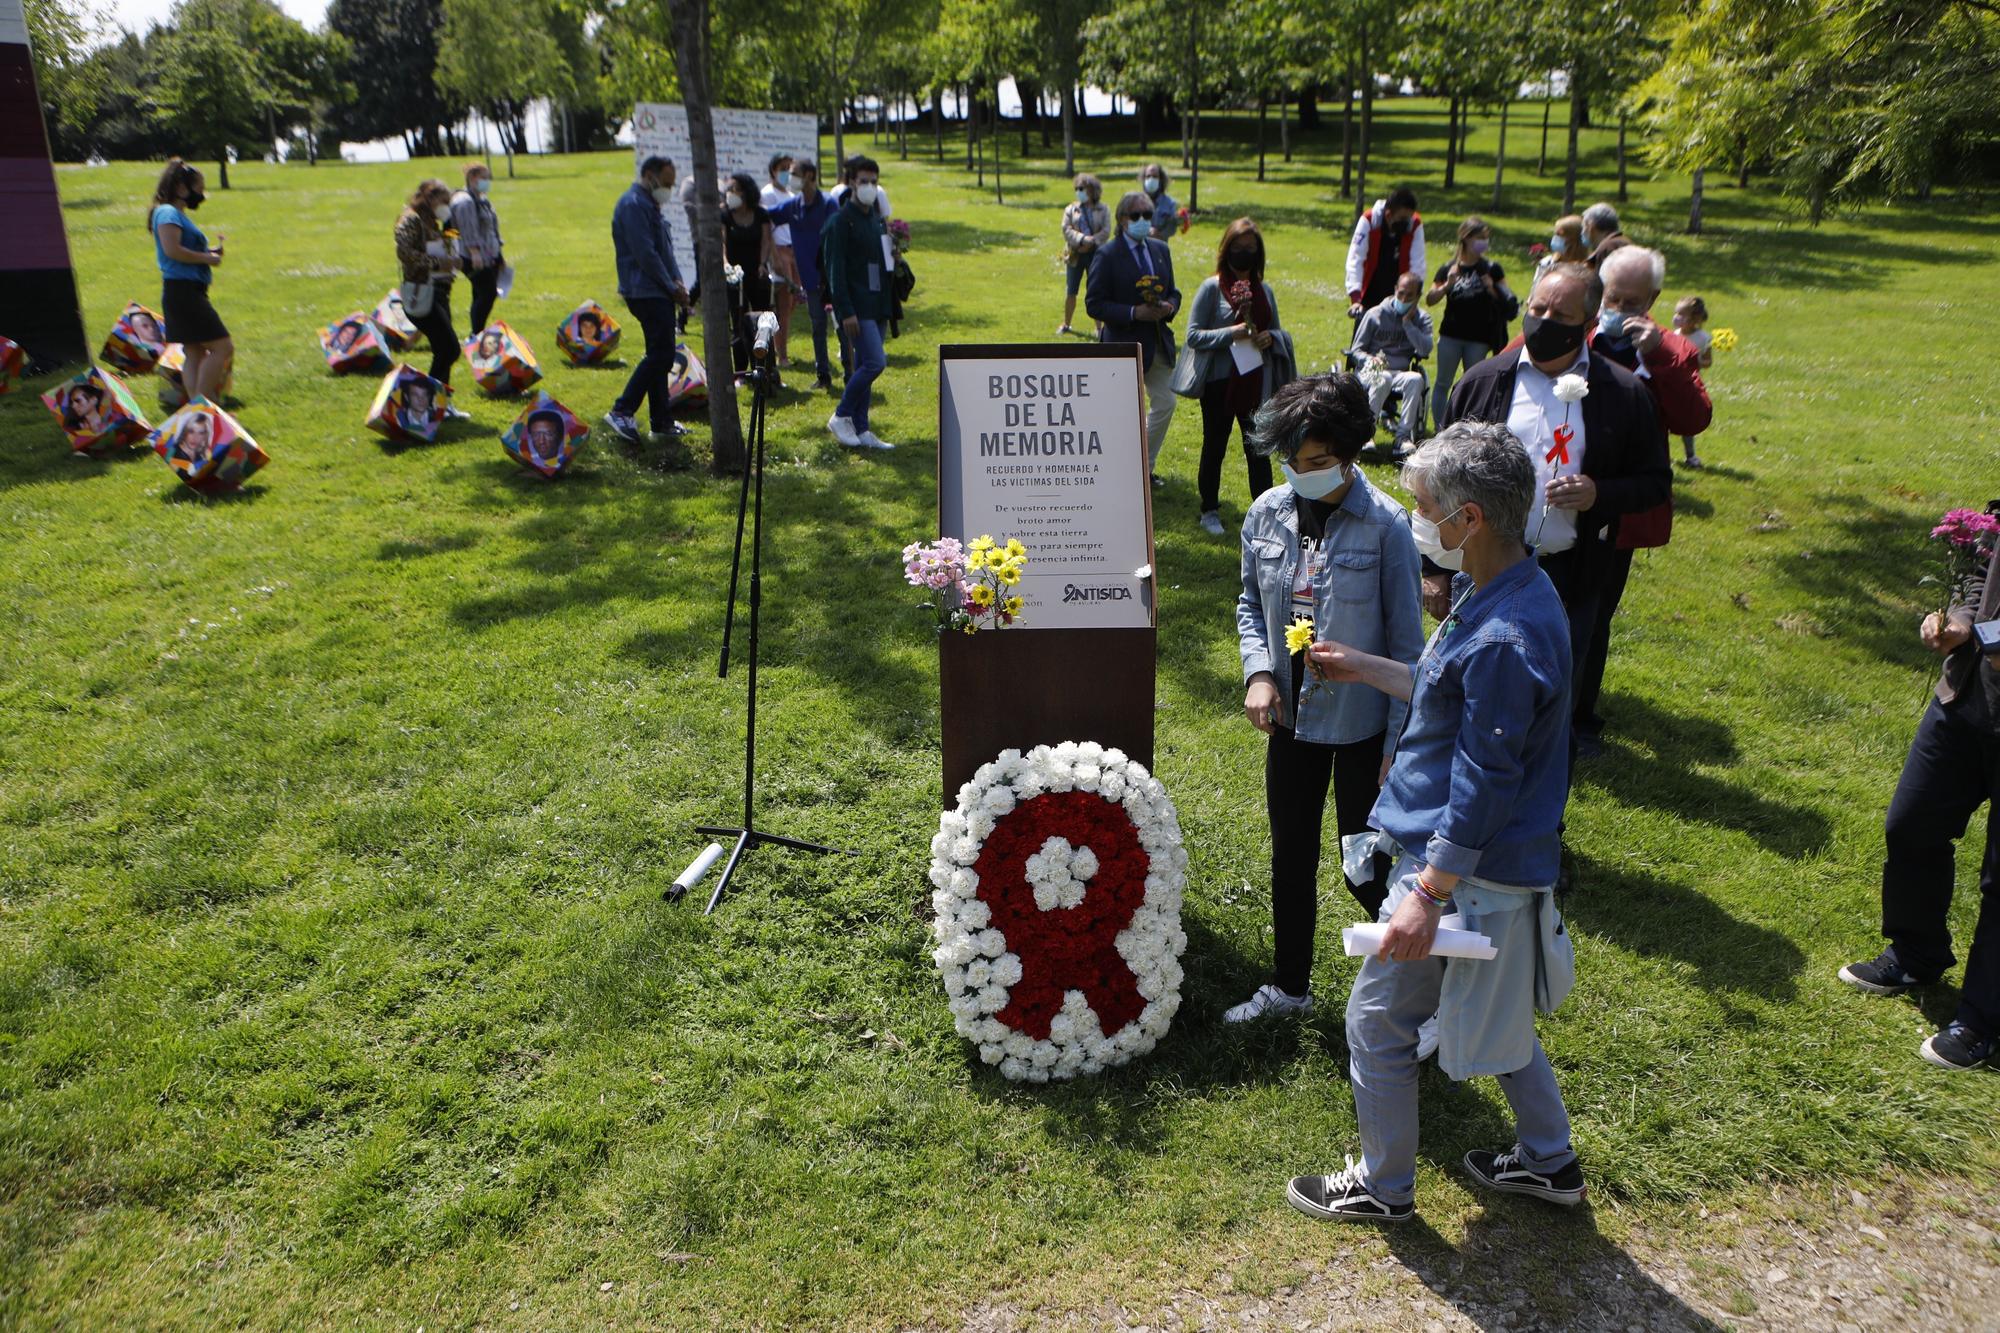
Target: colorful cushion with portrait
[136, 341]
[687, 381]
[409, 406]
[501, 360]
[545, 438]
[354, 345]
[588, 336]
[173, 392]
[397, 332]
[97, 412]
[13, 364]
[207, 449]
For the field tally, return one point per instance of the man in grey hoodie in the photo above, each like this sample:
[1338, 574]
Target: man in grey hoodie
[1399, 331]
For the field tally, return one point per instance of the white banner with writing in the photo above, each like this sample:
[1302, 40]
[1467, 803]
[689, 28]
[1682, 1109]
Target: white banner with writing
[1047, 444]
[744, 141]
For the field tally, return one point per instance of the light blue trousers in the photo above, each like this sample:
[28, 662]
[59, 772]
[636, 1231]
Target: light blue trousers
[1453, 356]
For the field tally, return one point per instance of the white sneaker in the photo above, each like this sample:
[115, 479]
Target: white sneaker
[843, 430]
[870, 440]
[452, 413]
[1268, 1000]
[1427, 1038]
[1211, 523]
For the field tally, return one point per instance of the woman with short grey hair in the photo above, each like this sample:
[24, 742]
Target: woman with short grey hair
[1477, 462]
[1166, 213]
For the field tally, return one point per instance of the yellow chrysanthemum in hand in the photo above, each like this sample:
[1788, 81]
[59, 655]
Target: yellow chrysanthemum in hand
[1723, 340]
[1298, 635]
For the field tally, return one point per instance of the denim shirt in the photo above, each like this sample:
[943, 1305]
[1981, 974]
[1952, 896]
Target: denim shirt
[1482, 771]
[1369, 599]
[644, 241]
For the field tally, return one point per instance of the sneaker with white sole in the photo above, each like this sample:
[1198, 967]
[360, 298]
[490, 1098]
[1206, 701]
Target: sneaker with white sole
[1504, 1171]
[1341, 1197]
[623, 426]
[1211, 523]
[1427, 1038]
[1884, 974]
[1268, 1000]
[843, 430]
[1958, 1046]
[870, 440]
[452, 413]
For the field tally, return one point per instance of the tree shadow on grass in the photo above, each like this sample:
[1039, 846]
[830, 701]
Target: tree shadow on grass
[960, 238]
[1666, 778]
[1863, 581]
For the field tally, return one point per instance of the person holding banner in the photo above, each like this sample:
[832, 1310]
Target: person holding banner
[857, 277]
[1328, 549]
[1471, 818]
[1131, 293]
[649, 278]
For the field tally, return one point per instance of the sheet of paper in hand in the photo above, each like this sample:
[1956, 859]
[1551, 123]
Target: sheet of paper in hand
[501, 360]
[207, 449]
[354, 345]
[588, 335]
[97, 412]
[1453, 940]
[173, 391]
[545, 438]
[409, 405]
[136, 341]
[13, 364]
[398, 333]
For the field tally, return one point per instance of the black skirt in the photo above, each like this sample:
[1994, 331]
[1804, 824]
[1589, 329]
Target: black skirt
[191, 320]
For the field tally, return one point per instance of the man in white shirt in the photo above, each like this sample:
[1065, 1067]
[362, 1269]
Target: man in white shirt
[776, 193]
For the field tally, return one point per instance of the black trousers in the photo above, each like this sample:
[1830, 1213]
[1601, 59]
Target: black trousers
[1590, 674]
[437, 330]
[485, 291]
[1217, 420]
[649, 378]
[1953, 768]
[1296, 776]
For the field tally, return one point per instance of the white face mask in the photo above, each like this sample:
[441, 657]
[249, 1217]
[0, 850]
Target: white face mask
[732, 200]
[1316, 485]
[866, 193]
[1431, 542]
[663, 194]
[1152, 185]
[442, 212]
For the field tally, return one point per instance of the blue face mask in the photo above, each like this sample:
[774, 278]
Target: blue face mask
[1083, 196]
[1139, 228]
[1611, 323]
[1558, 244]
[1399, 305]
[1316, 485]
[784, 180]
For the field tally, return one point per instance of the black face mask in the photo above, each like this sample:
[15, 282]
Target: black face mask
[1242, 260]
[1549, 339]
[194, 198]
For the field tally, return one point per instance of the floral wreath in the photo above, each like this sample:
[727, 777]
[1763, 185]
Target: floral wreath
[1058, 882]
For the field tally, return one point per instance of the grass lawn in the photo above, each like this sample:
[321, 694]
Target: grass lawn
[335, 982]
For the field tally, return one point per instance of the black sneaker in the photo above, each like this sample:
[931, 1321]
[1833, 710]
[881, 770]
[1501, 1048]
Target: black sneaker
[1341, 1197]
[1881, 975]
[1504, 1171]
[1958, 1047]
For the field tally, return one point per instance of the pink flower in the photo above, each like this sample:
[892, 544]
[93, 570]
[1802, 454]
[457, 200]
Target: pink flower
[1967, 528]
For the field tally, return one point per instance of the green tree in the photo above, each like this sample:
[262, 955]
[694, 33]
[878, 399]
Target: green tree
[210, 87]
[501, 55]
[71, 84]
[392, 67]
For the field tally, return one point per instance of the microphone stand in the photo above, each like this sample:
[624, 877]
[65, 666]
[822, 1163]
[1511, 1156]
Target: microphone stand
[748, 835]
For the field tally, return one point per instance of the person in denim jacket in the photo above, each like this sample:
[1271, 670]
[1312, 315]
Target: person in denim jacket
[1472, 812]
[1329, 548]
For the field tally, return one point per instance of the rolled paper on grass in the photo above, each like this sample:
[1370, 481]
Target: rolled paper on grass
[13, 364]
[687, 381]
[409, 405]
[397, 332]
[588, 335]
[173, 391]
[501, 360]
[354, 345]
[1453, 941]
[98, 413]
[207, 449]
[698, 867]
[135, 342]
[545, 438]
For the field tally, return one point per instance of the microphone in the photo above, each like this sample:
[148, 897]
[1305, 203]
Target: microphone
[767, 329]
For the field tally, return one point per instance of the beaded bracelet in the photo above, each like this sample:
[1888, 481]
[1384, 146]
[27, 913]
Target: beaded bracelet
[1441, 899]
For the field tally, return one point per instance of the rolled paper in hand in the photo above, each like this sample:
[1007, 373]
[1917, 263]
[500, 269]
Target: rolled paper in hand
[690, 877]
[1365, 941]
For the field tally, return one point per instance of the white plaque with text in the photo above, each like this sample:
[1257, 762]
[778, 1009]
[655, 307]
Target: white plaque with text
[1047, 444]
[744, 141]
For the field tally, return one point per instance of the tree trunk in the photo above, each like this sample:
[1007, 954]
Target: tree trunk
[937, 121]
[1367, 117]
[1452, 142]
[1500, 157]
[971, 129]
[1140, 103]
[312, 140]
[1309, 107]
[1346, 137]
[1285, 122]
[976, 143]
[1263, 111]
[1742, 164]
[1194, 169]
[222, 167]
[1575, 123]
[1621, 156]
[837, 110]
[1069, 110]
[1542, 163]
[690, 43]
[1694, 208]
[998, 198]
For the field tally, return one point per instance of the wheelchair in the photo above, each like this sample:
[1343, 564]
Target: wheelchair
[1392, 408]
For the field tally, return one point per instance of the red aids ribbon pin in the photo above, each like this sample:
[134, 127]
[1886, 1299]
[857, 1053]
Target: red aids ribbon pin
[1559, 455]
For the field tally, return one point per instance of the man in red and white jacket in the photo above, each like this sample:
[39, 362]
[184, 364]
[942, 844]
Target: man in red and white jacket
[1388, 242]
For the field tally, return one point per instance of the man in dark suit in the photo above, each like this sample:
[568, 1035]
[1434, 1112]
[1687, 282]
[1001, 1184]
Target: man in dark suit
[1953, 768]
[1596, 459]
[1122, 275]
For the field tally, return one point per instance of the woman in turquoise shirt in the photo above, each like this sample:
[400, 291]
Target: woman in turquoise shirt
[187, 265]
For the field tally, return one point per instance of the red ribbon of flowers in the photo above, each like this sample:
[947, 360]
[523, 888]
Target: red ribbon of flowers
[1069, 948]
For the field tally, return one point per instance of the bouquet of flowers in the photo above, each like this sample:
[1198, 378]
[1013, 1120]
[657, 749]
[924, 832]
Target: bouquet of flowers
[1373, 371]
[1723, 340]
[1968, 538]
[899, 235]
[968, 585]
[1242, 299]
[1152, 291]
[1185, 218]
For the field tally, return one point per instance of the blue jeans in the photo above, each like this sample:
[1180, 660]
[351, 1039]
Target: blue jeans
[869, 363]
[1453, 355]
[1387, 1005]
[818, 314]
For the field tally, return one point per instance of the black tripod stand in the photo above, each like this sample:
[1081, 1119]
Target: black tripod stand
[749, 835]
